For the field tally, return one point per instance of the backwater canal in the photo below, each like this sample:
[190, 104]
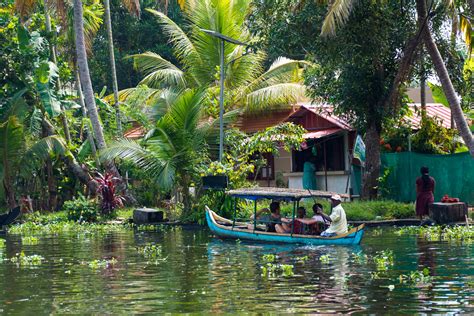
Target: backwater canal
[195, 272]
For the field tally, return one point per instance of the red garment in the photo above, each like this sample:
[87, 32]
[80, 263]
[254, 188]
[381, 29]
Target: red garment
[298, 227]
[424, 196]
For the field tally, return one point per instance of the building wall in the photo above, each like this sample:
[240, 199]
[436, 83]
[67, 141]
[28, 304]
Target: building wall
[336, 181]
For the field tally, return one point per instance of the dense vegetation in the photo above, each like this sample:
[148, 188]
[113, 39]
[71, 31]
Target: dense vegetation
[62, 117]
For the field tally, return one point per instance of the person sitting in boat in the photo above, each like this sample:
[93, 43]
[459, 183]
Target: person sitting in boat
[338, 218]
[318, 220]
[298, 226]
[272, 220]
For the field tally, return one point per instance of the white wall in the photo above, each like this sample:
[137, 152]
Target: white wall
[337, 181]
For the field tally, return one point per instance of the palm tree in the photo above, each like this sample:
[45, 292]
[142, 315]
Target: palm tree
[133, 6]
[248, 86]
[84, 74]
[173, 149]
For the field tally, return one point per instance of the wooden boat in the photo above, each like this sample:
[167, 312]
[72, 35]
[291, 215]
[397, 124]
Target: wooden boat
[236, 229]
[222, 227]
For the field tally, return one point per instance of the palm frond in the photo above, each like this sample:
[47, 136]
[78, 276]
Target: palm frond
[24, 7]
[158, 70]
[338, 14]
[277, 95]
[466, 29]
[183, 47]
[12, 143]
[44, 148]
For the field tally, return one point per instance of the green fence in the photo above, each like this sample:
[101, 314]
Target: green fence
[454, 175]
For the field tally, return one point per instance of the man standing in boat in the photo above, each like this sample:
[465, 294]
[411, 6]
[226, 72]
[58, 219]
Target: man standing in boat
[338, 218]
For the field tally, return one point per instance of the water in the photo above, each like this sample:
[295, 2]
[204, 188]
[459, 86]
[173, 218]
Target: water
[207, 275]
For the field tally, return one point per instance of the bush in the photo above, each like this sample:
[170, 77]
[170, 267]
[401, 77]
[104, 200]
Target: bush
[81, 209]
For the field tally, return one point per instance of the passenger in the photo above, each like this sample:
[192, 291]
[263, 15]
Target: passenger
[338, 218]
[317, 220]
[287, 224]
[271, 220]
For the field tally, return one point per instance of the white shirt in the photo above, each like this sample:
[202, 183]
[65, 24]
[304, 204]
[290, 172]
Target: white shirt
[339, 221]
[318, 218]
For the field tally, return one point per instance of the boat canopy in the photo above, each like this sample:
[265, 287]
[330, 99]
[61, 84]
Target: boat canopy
[282, 194]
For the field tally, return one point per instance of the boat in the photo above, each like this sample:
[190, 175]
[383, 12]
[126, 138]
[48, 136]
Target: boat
[238, 229]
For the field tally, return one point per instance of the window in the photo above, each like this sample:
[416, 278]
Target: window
[335, 160]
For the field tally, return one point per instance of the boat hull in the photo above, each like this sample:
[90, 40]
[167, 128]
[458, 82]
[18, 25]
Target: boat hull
[353, 237]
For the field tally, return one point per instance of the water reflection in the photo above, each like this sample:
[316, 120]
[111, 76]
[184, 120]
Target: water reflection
[203, 274]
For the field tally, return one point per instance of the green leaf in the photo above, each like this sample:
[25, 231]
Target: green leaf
[438, 94]
[23, 36]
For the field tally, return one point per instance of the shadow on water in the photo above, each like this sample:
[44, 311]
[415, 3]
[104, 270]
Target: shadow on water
[199, 273]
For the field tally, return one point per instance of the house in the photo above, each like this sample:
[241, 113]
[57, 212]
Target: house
[329, 136]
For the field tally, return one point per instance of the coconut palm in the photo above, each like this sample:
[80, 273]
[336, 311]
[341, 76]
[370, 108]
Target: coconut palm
[247, 85]
[173, 149]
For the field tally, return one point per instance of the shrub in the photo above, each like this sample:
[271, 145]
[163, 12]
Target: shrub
[81, 209]
[109, 199]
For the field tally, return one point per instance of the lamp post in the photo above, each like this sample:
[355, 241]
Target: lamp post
[222, 39]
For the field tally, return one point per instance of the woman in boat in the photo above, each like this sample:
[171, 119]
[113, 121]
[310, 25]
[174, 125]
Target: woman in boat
[318, 219]
[298, 226]
[425, 186]
[272, 220]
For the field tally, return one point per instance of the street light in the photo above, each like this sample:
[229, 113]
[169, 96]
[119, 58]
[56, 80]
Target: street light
[222, 39]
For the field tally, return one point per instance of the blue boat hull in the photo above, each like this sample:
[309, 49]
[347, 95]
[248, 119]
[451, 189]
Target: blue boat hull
[353, 237]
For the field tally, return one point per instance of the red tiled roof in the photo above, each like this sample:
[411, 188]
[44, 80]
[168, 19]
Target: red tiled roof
[326, 111]
[135, 132]
[321, 133]
[437, 110]
[255, 123]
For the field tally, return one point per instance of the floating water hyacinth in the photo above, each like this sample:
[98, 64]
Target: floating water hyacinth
[269, 258]
[436, 233]
[302, 259]
[23, 260]
[383, 259]
[325, 259]
[359, 257]
[102, 264]
[35, 229]
[417, 277]
[29, 240]
[2, 243]
[150, 251]
[275, 269]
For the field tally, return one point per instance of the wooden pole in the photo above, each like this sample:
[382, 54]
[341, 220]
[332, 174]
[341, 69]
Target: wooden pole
[325, 168]
[235, 212]
[255, 216]
[293, 217]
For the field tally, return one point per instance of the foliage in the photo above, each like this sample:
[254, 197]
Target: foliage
[417, 277]
[102, 264]
[109, 199]
[435, 233]
[247, 85]
[271, 268]
[29, 240]
[81, 209]
[383, 259]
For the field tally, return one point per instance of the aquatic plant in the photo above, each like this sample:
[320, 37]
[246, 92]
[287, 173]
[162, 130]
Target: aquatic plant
[417, 277]
[325, 259]
[269, 258]
[150, 251]
[436, 233]
[383, 259]
[35, 229]
[147, 228]
[23, 260]
[101, 264]
[29, 240]
[2, 243]
[302, 259]
[275, 269]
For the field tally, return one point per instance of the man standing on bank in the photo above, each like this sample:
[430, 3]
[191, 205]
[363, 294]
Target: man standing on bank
[338, 218]
[425, 186]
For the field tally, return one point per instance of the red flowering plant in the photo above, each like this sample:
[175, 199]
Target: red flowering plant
[109, 199]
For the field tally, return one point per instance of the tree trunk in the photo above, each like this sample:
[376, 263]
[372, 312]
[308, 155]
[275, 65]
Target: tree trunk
[372, 162]
[423, 90]
[108, 24]
[90, 138]
[85, 76]
[70, 161]
[64, 122]
[186, 196]
[446, 83]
